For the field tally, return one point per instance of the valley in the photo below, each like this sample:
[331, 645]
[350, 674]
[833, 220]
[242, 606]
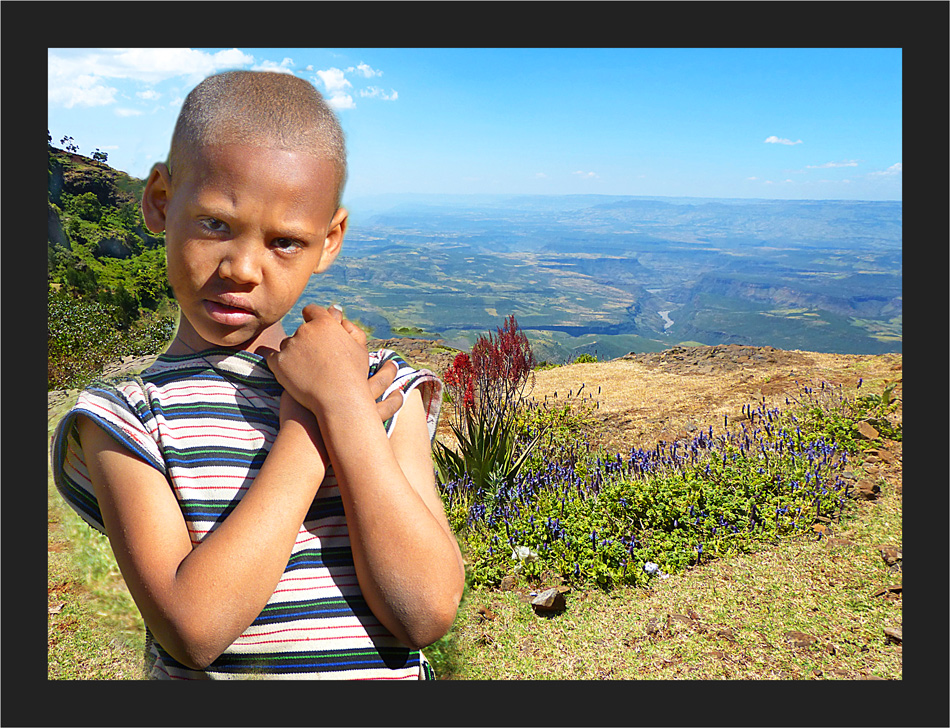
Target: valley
[608, 275]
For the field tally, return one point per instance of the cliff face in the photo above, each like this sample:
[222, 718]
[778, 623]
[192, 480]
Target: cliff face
[73, 175]
[838, 300]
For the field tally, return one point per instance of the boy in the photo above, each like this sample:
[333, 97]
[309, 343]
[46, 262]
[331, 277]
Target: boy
[270, 515]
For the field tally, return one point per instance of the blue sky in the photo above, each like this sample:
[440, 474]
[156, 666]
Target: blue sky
[807, 123]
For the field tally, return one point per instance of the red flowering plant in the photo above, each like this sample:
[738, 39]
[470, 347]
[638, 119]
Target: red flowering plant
[487, 390]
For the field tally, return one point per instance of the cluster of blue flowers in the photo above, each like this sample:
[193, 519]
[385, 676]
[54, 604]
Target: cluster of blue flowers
[587, 515]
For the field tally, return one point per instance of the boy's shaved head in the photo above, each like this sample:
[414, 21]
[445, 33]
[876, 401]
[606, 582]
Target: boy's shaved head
[258, 108]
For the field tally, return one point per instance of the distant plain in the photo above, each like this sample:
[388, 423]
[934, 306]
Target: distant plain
[608, 275]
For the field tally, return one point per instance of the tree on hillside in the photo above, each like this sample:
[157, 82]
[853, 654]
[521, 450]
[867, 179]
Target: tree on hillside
[69, 144]
[100, 156]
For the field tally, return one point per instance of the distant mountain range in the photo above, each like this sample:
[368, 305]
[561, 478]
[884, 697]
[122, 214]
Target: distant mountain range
[581, 273]
[589, 273]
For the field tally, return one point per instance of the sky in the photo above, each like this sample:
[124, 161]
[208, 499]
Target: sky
[783, 123]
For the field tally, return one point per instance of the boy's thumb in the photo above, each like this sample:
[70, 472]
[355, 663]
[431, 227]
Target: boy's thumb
[268, 353]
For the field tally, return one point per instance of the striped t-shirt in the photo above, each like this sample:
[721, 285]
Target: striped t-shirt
[206, 422]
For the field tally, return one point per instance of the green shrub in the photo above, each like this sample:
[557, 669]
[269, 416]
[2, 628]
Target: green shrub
[599, 519]
[84, 335]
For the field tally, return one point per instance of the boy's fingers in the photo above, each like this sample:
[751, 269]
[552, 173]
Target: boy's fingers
[310, 311]
[336, 311]
[355, 331]
[390, 406]
[380, 381]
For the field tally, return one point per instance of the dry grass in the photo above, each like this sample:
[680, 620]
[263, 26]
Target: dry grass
[722, 620]
[726, 619]
[637, 404]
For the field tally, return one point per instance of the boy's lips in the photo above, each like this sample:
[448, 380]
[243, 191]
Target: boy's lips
[228, 310]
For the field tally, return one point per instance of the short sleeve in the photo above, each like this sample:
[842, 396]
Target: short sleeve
[114, 408]
[407, 379]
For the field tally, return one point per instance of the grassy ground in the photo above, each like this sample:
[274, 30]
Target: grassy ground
[812, 608]
[797, 610]
[731, 619]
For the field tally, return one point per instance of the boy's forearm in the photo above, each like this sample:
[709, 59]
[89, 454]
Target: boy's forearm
[197, 599]
[226, 580]
[407, 562]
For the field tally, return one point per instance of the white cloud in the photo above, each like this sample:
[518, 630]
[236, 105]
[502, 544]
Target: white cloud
[341, 101]
[829, 165]
[128, 112]
[778, 140]
[893, 171]
[149, 95]
[378, 93]
[81, 77]
[751, 179]
[364, 70]
[80, 90]
[586, 175]
[334, 81]
[285, 66]
[335, 84]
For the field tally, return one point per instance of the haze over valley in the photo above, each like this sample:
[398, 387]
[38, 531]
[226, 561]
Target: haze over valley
[611, 274]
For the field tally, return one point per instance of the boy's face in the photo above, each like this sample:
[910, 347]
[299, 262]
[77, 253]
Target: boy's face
[245, 228]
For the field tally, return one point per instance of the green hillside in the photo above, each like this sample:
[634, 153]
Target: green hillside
[107, 292]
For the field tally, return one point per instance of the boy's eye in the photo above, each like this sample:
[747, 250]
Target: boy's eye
[214, 225]
[286, 244]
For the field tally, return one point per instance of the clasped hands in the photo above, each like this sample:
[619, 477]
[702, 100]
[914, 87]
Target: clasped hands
[325, 362]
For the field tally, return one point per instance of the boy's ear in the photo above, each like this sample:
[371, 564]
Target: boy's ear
[334, 240]
[155, 198]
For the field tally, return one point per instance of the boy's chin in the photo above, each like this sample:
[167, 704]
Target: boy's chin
[269, 337]
[238, 339]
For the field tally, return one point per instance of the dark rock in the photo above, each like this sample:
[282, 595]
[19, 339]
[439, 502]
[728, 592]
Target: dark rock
[508, 583]
[485, 613]
[866, 490]
[887, 591]
[893, 634]
[797, 640]
[550, 601]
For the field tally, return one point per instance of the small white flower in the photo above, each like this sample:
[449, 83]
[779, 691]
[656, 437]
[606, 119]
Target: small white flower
[650, 568]
[523, 553]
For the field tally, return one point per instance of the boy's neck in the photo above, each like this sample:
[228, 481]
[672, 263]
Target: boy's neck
[188, 341]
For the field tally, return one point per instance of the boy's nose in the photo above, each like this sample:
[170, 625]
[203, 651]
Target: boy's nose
[241, 264]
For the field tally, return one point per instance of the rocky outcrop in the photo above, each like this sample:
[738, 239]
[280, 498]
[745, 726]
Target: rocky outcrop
[721, 357]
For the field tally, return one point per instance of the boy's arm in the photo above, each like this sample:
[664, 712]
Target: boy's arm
[198, 599]
[407, 560]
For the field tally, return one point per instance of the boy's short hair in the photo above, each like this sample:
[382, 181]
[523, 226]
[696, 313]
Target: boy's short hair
[260, 108]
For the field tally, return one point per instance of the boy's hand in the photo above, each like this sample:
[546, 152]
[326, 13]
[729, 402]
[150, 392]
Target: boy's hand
[380, 381]
[329, 350]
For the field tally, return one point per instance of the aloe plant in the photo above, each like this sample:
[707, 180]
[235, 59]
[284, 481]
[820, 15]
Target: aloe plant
[487, 390]
[487, 453]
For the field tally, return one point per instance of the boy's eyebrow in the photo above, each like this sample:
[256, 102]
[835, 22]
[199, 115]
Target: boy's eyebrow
[213, 208]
